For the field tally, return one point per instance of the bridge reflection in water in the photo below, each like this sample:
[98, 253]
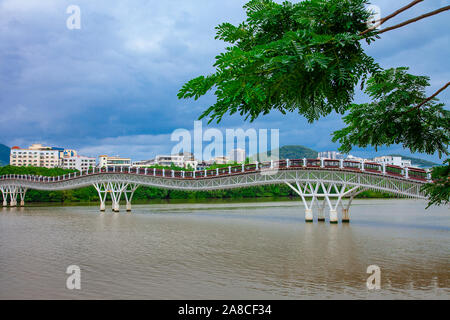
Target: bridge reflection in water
[320, 183]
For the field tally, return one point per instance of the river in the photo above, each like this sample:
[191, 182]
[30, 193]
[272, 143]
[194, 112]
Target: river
[220, 250]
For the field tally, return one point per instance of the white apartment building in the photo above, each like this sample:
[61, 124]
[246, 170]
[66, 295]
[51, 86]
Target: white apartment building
[237, 155]
[220, 160]
[35, 156]
[80, 163]
[191, 164]
[353, 158]
[143, 163]
[168, 160]
[107, 161]
[189, 160]
[333, 155]
[395, 161]
[182, 160]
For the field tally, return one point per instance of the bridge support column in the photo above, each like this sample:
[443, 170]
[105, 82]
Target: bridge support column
[345, 216]
[340, 193]
[4, 196]
[116, 206]
[309, 215]
[116, 190]
[328, 191]
[13, 196]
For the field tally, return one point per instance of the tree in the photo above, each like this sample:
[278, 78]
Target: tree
[307, 57]
[399, 112]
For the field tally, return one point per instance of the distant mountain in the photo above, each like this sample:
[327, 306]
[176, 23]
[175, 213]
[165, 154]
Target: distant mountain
[417, 162]
[4, 155]
[295, 152]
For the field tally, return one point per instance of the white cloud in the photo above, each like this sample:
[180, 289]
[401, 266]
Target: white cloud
[118, 76]
[138, 147]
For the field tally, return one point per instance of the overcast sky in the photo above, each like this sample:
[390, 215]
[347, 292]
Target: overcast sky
[110, 87]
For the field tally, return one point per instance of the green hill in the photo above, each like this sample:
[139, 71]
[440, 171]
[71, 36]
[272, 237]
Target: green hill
[417, 162]
[4, 155]
[295, 152]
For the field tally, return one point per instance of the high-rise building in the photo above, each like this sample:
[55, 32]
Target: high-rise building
[237, 155]
[106, 161]
[80, 163]
[168, 160]
[144, 163]
[38, 155]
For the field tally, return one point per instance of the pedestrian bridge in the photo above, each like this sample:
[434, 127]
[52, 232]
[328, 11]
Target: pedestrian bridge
[334, 182]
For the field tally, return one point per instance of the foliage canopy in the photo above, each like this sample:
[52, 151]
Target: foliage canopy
[307, 57]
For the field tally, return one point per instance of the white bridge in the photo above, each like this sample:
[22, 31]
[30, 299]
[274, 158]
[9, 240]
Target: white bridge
[334, 182]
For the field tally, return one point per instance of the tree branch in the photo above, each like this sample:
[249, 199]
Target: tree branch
[429, 98]
[383, 20]
[432, 13]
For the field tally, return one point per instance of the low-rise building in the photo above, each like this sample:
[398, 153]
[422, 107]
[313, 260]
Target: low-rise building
[36, 155]
[395, 161]
[237, 155]
[333, 155]
[203, 165]
[69, 153]
[191, 164]
[107, 161]
[80, 163]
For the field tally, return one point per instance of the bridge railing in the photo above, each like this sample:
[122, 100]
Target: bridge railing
[328, 164]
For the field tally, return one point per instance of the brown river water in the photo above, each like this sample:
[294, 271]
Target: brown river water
[220, 250]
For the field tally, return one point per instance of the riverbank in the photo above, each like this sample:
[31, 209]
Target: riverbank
[148, 194]
[186, 201]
